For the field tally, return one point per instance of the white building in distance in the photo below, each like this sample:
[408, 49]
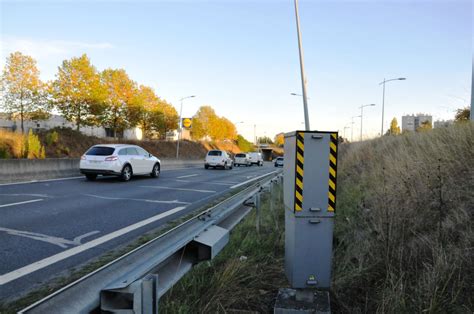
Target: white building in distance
[413, 122]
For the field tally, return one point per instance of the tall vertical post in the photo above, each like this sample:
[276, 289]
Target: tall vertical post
[303, 76]
[361, 120]
[180, 125]
[472, 90]
[383, 106]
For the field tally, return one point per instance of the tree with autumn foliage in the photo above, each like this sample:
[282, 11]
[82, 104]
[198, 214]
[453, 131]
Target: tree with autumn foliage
[156, 115]
[207, 124]
[78, 93]
[120, 111]
[171, 117]
[203, 121]
[279, 139]
[394, 128]
[22, 89]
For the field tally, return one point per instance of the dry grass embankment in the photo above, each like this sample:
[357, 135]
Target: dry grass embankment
[404, 227]
[64, 142]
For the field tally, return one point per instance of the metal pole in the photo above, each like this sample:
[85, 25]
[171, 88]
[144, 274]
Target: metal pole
[180, 128]
[303, 77]
[352, 127]
[472, 90]
[383, 106]
[361, 117]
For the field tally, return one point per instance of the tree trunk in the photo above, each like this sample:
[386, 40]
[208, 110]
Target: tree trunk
[21, 117]
[78, 119]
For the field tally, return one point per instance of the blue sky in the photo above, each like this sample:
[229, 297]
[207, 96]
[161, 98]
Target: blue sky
[241, 57]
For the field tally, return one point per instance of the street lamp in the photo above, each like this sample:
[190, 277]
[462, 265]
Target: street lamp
[346, 127]
[383, 97]
[180, 123]
[352, 126]
[303, 76]
[295, 94]
[362, 117]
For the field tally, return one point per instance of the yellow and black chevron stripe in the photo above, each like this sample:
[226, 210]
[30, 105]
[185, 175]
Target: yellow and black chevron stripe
[299, 171]
[332, 172]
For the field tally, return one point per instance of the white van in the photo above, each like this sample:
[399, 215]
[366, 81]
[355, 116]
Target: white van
[256, 158]
[218, 158]
[242, 159]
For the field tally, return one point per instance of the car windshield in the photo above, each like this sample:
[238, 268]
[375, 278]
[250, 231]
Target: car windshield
[100, 151]
[280, 158]
[215, 153]
[240, 155]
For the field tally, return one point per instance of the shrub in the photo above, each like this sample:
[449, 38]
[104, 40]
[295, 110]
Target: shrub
[51, 138]
[34, 148]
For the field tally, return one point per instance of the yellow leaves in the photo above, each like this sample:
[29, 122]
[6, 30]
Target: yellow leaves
[206, 123]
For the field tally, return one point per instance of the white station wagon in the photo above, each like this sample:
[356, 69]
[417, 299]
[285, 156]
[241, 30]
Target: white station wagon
[121, 160]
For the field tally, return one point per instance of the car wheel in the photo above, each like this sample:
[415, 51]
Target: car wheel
[126, 173]
[155, 173]
[91, 176]
[225, 166]
[231, 166]
[206, 166]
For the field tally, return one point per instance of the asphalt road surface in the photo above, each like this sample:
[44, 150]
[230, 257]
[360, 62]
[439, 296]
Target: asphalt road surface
[49, 228]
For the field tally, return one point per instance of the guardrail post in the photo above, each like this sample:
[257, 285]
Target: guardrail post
[257, 209]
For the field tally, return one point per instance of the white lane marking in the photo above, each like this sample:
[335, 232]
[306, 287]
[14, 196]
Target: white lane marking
[177, 189]
[81, 177]
[28, 269]
[40, 181]
[61, 242]
[188, 176]
[202, 182]
[19, 203]
[137, 199]
[25, 194]
[253, 179]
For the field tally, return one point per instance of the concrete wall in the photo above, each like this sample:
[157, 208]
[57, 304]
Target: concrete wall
[16, 170]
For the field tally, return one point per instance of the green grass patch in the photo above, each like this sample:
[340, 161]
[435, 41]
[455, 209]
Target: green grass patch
[245, 276]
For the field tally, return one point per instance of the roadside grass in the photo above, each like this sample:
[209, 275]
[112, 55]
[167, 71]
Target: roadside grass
[71, 275]
[12, 145]
[244, 277]
[404, 234]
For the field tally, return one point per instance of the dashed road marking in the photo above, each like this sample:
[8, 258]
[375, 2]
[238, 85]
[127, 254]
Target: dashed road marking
[187, 176]
[137, 199]
[177, 189]
[253, 179]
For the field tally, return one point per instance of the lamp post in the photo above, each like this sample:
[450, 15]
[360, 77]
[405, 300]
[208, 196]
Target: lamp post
[362, 117]
[352, 126]
[180, 123]
[472, 90]
[303, 76]
[383, 97]
[346, 127]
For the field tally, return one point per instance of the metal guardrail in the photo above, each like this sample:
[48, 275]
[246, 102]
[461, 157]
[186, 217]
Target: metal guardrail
[134, 282]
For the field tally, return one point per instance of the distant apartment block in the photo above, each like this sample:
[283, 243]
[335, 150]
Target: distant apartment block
[58, 121]
[413, 122]
[442, 123]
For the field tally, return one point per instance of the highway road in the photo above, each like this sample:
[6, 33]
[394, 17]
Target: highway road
[49, 228]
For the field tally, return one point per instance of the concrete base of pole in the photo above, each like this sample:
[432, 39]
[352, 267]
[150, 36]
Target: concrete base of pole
[293, 301]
